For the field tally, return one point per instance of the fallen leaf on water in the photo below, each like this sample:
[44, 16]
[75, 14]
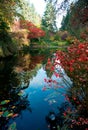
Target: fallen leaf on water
[5, 114]
[12, 126]
[1, 112]
[15, 115]
[10, 115]
[5, 102]
[21, 93]
[13, 107]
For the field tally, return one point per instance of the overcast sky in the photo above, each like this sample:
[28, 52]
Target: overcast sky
[39, 5]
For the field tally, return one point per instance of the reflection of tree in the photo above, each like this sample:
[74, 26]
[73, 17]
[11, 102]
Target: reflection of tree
[49, 74]
[28, 62]
[12, 97]
[73, 114]
[28, 65]
[15, 76]
[69, 117]
[78, 99]
[72, 117]
[75, 62]
[57, 119]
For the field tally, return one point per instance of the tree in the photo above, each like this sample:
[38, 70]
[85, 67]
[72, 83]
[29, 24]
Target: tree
[65, 21]
[29, 13]
[74, 60]
[34, 32]
[49, 18]
[8, 9]
[60, 6]
[76, 19]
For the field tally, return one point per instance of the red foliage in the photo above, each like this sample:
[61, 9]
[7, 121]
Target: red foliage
[75, 60]
[75, 63]
[34, 32]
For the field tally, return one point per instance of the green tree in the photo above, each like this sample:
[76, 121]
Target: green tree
[8, 9]
[29, 13]
[60, 5]
[65, 21]
[49, 18]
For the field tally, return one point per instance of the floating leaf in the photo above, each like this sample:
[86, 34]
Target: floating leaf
[6, 114]
[12, 126]
[20, 93]
[1, 112]
[13, 107]
[15, 115]
[5, 102]
[10, 115]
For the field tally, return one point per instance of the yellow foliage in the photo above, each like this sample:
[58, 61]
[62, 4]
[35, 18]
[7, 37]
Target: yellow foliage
[9, 115]
[20, 37]
[52, 38]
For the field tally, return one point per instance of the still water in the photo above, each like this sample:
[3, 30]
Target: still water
[24, 100]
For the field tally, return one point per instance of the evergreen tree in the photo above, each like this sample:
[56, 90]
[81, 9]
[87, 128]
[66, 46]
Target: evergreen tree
[49, 18]
[29, 13]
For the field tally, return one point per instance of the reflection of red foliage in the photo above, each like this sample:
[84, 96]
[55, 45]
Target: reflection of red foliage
[75, 63]
[64, 114]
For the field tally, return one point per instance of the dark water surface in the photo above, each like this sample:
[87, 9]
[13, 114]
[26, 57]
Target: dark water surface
[24, 100]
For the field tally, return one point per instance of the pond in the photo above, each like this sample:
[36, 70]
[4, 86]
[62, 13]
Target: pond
[25, 97]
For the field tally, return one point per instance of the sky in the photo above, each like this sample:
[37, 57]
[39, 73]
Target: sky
[40, 8]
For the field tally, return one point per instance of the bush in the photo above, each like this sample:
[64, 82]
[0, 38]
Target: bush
[6, 44]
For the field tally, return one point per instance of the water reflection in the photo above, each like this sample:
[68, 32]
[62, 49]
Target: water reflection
[52, 121]
[77, 97]
[29, 92]
[13, 100]
[15, 76]
[74, 115]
